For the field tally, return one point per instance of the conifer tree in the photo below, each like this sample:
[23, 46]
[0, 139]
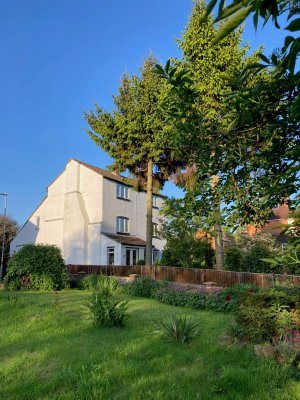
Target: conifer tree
[198, 104]
[133, 134]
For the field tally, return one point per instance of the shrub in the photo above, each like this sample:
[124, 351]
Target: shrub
[38, 267]
[143, 287]
[233, 260]
[178, 329]
[106, 311]
[288, 348]
[98, 282]
[253, 260]
[269, 313]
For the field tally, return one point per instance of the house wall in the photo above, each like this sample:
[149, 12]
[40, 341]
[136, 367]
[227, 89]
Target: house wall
[134, 210]
[80, 205]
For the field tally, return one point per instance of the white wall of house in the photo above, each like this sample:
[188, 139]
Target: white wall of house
[81, 204]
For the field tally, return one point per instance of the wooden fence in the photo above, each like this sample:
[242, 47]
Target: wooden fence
[185, 275]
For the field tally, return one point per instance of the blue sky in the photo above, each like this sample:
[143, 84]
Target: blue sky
[60, 57]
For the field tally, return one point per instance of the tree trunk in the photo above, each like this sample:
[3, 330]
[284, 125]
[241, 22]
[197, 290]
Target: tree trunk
[148, 260]
[218, 240]
[219, 246]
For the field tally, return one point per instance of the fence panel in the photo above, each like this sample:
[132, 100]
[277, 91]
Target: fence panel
[185, 275]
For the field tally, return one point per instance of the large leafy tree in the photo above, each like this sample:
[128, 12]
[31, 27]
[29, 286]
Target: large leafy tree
[273, 105]
[133, 134]
[11, 229]
[198, 107]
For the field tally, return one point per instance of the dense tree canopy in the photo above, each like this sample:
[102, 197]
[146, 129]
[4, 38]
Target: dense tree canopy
[134, 135]
[11, 229]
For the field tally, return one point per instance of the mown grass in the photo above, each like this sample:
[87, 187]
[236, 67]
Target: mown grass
[54, 352]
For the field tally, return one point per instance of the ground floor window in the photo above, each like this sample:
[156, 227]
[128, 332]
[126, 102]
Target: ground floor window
[110, 255]
[132, 256]
[155, 255]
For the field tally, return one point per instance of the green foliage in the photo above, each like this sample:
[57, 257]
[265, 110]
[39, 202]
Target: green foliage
[143, 287]
[228, 299]
[253, 261]
[180, 229]
[11, 229]
[134, 135]
[269, 313]
[288, 348]
[233, 259]
[98, 282]
[271, 109]
[233, 122]
[38, 267]
[177, 329]
[251, 254]
[106, 311]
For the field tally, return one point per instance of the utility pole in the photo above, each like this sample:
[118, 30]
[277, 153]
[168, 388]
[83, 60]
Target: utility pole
[3, 234]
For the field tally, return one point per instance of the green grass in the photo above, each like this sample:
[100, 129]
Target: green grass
[49, 352]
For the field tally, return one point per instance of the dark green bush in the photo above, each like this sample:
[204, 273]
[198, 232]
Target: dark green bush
[269, 313]
[233, 260]
[143, 287]
[106, 311]
[181, 298]
[253, 262]
[38, 267]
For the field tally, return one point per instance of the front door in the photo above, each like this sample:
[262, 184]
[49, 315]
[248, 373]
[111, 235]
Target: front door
[131, 256]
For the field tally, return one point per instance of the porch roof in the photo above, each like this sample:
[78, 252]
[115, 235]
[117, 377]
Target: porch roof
[126, 239]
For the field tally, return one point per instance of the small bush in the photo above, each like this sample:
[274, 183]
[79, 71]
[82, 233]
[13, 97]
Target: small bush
[233, 260]
[288, 348]
[106, 311]
[269, 313]
[253, 261]
[38, 267]
[178, 329]
[98, 282]
[143, 287]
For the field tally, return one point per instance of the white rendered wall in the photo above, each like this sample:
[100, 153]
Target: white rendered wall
[134, 210]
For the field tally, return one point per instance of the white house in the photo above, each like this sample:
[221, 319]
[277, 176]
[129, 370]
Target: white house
[94, 217]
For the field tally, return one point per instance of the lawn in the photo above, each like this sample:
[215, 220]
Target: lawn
[51, 350]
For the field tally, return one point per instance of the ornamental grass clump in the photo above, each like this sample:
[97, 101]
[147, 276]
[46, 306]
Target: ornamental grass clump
[106, 311]
[98, 282]
[177, 329]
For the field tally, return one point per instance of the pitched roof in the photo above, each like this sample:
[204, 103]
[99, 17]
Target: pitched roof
[105, 173]
[112, 176]
[124, 239]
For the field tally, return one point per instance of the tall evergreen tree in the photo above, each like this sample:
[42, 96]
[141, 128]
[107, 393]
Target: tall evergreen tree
[198, 103]
[133, 134]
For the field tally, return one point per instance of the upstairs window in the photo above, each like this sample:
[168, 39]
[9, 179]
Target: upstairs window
[155, 201]
[122, 225]
[122, 192]
[155, 230]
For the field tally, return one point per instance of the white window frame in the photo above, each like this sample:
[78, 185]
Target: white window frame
[154, 201]
[155, 229]
[122, 191]
[122, 225]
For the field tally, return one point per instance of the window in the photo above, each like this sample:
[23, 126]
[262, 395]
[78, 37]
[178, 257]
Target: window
[155, 201]
[122, 191]
[122, 225]
[110, 255]
[156, 255]
[155, 230]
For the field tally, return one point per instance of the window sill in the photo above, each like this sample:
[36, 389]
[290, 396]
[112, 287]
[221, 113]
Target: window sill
[123, 233]
[122, 198]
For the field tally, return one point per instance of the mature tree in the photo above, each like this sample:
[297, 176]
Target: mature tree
[198, 106]
[187, 245]
[273, 104]
[133, 134]
[11, 229]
